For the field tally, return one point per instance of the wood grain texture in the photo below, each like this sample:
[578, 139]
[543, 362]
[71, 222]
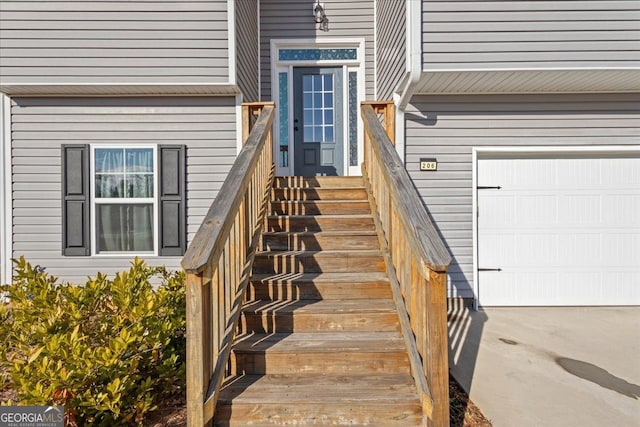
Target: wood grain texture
[319, 338]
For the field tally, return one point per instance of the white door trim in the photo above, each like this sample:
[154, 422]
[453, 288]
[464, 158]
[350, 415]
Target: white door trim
[286, 66]
[495, 151]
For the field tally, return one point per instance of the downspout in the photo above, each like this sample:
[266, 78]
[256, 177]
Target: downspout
[414, 52]
[413, 23]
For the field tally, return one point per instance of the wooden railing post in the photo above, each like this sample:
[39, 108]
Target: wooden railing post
[387, 110]
[196, 381]
[438, 361]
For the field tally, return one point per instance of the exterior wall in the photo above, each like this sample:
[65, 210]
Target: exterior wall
[391, 41]
[293, 19]
[247, 49]
[530, 34]
[41, 125]
[447, 127]
[81, 42]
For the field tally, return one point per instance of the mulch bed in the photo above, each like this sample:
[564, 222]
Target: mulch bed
[462, 411]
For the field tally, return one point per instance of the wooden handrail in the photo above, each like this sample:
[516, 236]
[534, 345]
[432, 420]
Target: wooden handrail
[218, 264]
[417, 261]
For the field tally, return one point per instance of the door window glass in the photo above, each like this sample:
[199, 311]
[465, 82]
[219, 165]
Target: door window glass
[318, 107]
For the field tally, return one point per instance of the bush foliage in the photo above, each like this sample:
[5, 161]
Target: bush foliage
[107, 350]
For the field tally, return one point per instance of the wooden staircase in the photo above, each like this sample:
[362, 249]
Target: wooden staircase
[319, 339]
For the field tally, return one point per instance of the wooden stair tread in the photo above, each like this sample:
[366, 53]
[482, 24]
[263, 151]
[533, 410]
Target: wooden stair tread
[370, 306]
[319, 202]
[320, 388]
[330, 277]
[321, 342]
[336, 216]
[328, 233]
[318, 181]
[334, 252]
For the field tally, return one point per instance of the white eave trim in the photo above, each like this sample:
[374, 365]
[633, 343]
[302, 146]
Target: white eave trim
[119, 89]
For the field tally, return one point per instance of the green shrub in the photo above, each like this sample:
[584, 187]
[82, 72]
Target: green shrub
[107, 350]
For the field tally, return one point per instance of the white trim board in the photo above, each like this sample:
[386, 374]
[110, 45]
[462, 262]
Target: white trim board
[6, 196]
[525, 151]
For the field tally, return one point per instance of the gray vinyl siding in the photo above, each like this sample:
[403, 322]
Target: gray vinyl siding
[448, 127]
[247, 49]
[82, 42]
[206, 125]
[293, 19]
[391, 41]
[530, 34]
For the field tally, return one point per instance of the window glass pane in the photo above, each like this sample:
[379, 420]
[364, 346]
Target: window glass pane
[124, 228]
[140, 185]
[307, 98]
[317, 133]
[110, 186]
[308, 117]
[306, 83]
[308, 134]
[109, 160]
[317, 117]
[317, 100]
[317, 83]
[328, 134]
[328, 100]
[328, 82]
[328, 117]
[139, 160]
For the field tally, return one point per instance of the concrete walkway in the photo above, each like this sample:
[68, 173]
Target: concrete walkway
[549, 366]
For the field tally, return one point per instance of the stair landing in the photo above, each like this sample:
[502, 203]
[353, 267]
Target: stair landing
[319, 341]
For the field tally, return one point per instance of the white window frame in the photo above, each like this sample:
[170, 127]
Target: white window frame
[94, 201]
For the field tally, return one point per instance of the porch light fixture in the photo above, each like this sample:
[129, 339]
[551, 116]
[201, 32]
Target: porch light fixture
[320, 16]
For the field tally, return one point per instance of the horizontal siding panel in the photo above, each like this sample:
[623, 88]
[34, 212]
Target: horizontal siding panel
[530, 37]
[37, 139]
[247, 49]
[293, 19]
[108, 6]
[61, 46]
[448, 127]
[390, 47]
[124, 38]
[114, 42]
[530, 34]
[122, 54]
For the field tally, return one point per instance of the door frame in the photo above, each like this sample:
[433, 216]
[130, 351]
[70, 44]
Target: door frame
[349, 54]
[481, 153]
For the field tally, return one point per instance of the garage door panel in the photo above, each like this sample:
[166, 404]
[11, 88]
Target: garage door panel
[496, 215]
[618, 247]
[564, 230]
[578, 250]
[580, 209]
[621, 173]
[537, 210]
[621, 209]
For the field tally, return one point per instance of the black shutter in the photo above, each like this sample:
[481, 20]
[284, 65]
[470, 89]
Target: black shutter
[76, 233]
[172, 198]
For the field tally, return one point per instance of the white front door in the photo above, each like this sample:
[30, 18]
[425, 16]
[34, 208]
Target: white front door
[559, 230]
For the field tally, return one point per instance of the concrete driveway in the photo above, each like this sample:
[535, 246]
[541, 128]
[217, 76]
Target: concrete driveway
[576, 366]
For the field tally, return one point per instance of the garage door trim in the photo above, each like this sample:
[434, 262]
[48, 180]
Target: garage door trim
[496, 152]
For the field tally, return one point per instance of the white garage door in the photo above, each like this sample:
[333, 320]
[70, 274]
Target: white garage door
[561, 230]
